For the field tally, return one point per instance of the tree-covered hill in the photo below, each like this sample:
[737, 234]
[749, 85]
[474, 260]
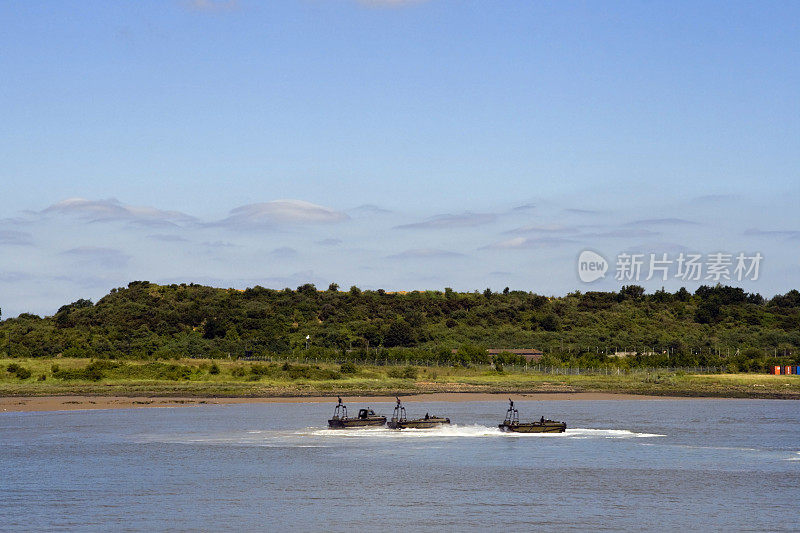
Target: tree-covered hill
[714, 325]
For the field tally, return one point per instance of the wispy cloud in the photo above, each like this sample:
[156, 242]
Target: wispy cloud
[577, 211]
[464, 220]
[98, 256]
[787, 234]
[165, 237]
[368, 210]
[329, 242]
[284, 252]
[622, 233]
[548, 229]
[14, 277]
[663, 222]
[113, 210]
[282, 212]
[220, 244]
[657, 248]
[425, 253]
[528, 242]
[15, 238]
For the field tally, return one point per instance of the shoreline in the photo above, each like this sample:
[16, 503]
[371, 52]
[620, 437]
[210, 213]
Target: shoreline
[10, 404]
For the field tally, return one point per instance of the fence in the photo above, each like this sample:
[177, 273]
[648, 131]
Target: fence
[539, 369]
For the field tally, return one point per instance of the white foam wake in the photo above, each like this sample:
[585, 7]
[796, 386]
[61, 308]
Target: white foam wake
[323, 437]
[473, 431]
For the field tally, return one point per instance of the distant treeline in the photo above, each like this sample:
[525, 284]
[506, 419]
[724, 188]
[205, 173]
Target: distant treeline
[719, 326]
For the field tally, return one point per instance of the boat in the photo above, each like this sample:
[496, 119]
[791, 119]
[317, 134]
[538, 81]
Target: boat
[399, 419]
[512, 423]
[366, 418]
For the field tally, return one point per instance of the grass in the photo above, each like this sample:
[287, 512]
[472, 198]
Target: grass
[208, 378]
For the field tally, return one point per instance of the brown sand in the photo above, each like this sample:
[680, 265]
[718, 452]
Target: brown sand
[72, 403]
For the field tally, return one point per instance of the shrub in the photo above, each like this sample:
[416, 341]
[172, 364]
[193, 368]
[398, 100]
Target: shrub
[260, 370]
[20, 371]
[348, 368]
[214, 370]
[408, 372]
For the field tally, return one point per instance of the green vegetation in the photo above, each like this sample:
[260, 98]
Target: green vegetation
[721, 327]
[197, 377]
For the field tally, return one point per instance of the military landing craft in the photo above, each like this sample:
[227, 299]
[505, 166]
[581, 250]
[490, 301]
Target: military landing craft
[512, 423]
[366, 418]
[399, 419]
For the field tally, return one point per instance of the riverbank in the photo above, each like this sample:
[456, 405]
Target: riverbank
[195, 380]
[79, 403]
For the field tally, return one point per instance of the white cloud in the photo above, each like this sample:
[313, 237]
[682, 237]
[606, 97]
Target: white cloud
[548, 229]
[282, 212]
[529, 242]
[425, 253]
[284, 252]
[464, 220]
[788, 234]
[113, 210]
[662, 222]
[18, 238]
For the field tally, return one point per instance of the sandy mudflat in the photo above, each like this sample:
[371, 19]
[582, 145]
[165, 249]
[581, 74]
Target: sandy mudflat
[72, 403]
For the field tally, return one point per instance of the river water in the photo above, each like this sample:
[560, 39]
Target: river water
[662, 465]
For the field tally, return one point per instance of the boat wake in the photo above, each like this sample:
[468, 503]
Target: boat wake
[314, 437]
[474, 431]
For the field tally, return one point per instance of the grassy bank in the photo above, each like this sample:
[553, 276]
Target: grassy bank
[208, 378]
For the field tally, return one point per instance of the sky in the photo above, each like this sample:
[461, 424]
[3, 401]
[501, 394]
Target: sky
[405, 145]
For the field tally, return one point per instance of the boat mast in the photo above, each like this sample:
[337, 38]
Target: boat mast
[340, 411]
[399, 414]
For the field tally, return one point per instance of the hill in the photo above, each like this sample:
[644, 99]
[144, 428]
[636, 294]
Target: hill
[714, 326]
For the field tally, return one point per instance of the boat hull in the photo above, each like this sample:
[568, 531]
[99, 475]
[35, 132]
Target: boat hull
[535, 427]
[419, 423]
[347, 423]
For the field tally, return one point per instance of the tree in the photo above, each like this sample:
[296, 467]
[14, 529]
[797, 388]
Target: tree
[399, 333]
[631, 292]
[214, 328]
[333, 287]
[550, 322]
[488, 292]
[307, 288]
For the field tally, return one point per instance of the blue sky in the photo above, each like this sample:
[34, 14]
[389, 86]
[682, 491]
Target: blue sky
[396, 144]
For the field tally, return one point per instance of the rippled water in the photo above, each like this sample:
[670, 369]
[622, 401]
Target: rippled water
[643, 464]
